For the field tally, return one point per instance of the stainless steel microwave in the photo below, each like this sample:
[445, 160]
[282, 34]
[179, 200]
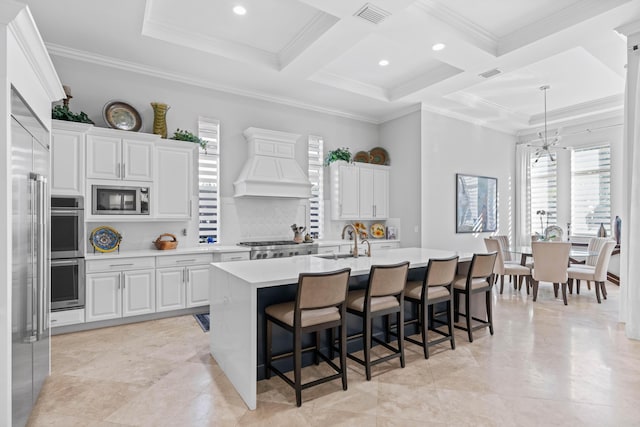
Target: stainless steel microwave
[119, 200]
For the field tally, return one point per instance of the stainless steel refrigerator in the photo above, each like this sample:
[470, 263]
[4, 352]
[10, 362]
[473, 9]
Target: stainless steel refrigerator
[30, 258]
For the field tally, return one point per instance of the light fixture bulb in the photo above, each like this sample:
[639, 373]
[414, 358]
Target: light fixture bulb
[383, 63]
[438, 46]
[239, 10]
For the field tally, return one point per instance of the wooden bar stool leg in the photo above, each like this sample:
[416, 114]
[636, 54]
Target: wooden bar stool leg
[367, 346]
[332, 340]
[489, 311]
[467, 311]
[316, 358]
[343, 352]
[570, 285]
[456, 306]
[450, 324]
[564, 293]
[597, 292]
[424, 333]
[604, 290]
[400, 320]
[297, 366]
[267, 352]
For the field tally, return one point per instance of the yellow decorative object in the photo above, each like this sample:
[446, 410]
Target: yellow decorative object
[160, 118]
[105, 238]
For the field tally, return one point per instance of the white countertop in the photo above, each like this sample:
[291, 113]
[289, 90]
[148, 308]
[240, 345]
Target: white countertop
[279, 271]
[323, 242]
[213, 248]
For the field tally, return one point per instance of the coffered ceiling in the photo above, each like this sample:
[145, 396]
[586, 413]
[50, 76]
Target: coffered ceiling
[319, 54]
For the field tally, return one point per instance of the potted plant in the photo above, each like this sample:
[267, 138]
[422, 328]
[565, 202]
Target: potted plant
[337, 154]
[185, 135]
[62, 112]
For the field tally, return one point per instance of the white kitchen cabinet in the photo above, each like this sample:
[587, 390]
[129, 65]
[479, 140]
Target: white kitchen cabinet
[183, 281]
[329, 249]
[359, 191]
[119, 288]
[173, 180]
[115, 155]
[66, 317]
[67, 158]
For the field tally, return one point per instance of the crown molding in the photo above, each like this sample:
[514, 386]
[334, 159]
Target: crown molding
[213, 45]
[400, 113]
[473, 32]
[428, 78]
[83, 56]
[629, 29]
[316, 27]
[589, 108]
[355, 86]
[465, 118]
[556, 22]
[26, 34]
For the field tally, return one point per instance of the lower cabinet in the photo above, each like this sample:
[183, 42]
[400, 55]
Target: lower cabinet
[182, 286]
[111, 295]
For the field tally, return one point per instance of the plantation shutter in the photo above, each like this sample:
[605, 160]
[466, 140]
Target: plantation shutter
[316, 203]
[591, 190]
[208, 176]
[543, 184]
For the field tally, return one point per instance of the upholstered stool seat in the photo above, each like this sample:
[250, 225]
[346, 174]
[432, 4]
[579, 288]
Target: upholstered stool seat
[434, 288]
[320, 305]
[383, 296]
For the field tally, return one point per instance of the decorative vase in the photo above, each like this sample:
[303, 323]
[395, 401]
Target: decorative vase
[602, 232]
[617, 228]
[160, 118]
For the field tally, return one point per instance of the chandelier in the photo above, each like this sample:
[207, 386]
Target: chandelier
[545, 149]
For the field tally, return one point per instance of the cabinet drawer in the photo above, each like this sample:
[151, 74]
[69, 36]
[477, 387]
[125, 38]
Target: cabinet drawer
[235, 256]
[120, 264]
[66, 317]
[385, 245]
[187, 259]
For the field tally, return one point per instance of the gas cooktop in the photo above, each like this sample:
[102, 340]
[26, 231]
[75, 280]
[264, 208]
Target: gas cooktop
[279, 249]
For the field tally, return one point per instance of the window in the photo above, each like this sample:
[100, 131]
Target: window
[590, 190]
[208, 176]
[543, 185]
[316, 203]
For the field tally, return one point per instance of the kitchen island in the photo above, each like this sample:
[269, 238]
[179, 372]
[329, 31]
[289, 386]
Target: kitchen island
[238, 297]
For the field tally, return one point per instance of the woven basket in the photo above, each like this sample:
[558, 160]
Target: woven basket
[163, 245]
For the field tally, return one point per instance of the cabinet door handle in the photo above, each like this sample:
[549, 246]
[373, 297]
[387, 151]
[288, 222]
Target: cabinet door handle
[118, 169]
[235, 258]
[186, 275]
[123, 171]
[124, 282]
[182, 279]
[190, 204]
[186, 260]
[120, 265]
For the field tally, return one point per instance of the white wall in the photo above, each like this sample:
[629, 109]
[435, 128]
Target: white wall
[401, 138]
[93, 86]
[450, 146]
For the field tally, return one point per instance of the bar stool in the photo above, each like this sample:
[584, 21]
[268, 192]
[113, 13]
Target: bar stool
[320, 305]
[479, 279]
[383, 296]
[434, 288]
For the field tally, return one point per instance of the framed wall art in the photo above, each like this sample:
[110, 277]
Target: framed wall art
[476, 204]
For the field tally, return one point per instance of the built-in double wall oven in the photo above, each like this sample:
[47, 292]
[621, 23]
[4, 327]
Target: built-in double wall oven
[67, 253]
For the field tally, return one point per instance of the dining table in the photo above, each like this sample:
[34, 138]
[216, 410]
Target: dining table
[577, 254]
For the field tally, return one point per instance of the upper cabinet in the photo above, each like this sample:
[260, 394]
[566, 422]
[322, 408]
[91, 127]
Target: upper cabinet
[114, 155]
[174, 166]
[359, 191]
[67, 158]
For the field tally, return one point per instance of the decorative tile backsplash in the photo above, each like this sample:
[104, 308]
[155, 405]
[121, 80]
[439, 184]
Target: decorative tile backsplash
[244, 219]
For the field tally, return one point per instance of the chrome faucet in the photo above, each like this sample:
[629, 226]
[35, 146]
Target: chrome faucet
[368, 251]
[355, 238]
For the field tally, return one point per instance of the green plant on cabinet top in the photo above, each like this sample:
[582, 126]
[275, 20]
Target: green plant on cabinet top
[337, 154]
[185, 135]
[61, 112]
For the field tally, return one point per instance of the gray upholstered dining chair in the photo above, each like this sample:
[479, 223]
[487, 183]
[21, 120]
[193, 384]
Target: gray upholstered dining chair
[520, 272]
[595, 247]
[596, 273]
[550, 261]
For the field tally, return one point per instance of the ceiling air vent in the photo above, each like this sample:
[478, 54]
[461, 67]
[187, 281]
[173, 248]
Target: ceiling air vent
[371, 13]
[490, 73]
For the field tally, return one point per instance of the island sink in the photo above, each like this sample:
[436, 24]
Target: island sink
[337, 256]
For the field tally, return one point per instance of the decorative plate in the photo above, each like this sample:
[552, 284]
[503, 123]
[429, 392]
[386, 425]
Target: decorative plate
[105, 239]
[379, 156]
[120, 115]
[362, 157]
[377, 231]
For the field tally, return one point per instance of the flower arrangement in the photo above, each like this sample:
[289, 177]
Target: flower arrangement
[542, 213]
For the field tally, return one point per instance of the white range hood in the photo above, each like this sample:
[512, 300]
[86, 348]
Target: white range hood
[271, 169]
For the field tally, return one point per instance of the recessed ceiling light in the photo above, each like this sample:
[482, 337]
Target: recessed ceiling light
[239, 10]
[438, 46]
[383, 63]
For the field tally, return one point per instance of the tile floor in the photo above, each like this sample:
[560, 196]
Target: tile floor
[546, 365]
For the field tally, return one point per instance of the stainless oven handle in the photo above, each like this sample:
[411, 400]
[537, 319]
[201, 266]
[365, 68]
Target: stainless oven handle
[58, 262]
[57, 212]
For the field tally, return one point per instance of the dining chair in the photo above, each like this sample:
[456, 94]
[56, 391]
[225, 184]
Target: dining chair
[320, 305]
[479, 279]
[507, 256]
[550, 261]
[593, 248]
[434, 288]
[383, 296]
[519, 272]
[597, 273]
